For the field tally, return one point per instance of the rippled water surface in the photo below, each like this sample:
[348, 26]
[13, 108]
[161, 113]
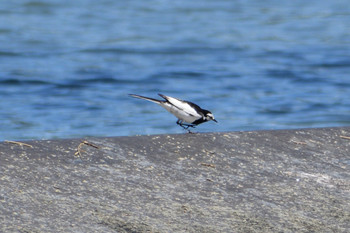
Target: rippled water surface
[66, 67]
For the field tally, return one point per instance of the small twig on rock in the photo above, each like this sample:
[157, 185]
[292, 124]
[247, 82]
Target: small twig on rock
[19, 143]
[208, 165]
[79, 150]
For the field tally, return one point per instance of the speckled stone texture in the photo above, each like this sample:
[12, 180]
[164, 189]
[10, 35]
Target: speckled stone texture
[261, 181]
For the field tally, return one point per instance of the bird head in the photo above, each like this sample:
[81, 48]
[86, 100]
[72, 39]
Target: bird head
[209, 116]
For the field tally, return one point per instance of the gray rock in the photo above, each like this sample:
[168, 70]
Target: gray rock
[262, 181]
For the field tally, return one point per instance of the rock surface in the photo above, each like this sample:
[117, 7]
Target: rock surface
[261, 181]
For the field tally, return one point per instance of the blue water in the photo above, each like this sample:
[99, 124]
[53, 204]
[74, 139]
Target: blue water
[66, 67]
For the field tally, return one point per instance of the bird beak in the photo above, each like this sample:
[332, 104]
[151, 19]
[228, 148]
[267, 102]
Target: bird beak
[215, 120]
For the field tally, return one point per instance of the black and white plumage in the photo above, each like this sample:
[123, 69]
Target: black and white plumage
[185, 111]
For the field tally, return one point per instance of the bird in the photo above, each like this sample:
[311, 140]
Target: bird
[188, 114]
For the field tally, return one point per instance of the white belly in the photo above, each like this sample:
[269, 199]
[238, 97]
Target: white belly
[181, 115]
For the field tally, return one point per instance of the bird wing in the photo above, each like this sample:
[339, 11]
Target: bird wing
[186, 106]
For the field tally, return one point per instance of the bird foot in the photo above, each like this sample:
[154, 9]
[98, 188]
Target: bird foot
[190, 132]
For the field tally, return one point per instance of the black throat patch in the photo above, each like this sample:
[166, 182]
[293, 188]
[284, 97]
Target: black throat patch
[199, 121]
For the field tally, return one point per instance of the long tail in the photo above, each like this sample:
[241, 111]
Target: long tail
[146, 98]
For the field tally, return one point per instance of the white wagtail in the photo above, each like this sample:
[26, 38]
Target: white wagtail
[185, 111]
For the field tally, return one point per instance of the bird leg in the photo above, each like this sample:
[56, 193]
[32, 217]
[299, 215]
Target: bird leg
[185, 126]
